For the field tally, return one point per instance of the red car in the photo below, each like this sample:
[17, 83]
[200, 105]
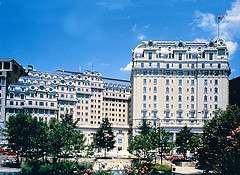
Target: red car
[5, 152]
[9, 153]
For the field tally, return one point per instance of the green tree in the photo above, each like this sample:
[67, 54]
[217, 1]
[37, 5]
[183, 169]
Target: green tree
[105, 136]
[184, 140]
[219, 152]
[26, 136]
[65, 139]
[161, 141]
[143, 144]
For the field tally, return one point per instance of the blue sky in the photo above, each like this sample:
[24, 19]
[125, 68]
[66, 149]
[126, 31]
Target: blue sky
[64, 34]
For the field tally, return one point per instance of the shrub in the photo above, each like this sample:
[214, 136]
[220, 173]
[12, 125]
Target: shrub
[64, 167]
[165, 168]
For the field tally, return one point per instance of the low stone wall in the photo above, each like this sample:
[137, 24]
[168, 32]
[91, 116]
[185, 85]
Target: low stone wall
[185, 164]
[113, 164]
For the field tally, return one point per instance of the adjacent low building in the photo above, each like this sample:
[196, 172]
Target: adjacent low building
[88, 96]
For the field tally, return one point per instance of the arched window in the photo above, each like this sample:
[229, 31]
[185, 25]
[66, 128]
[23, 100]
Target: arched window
[11, 95]
[205, 98]
[22, 96]
[155, 98]
[179, 98]
[167, 98]
[192, 98]
[144, 89]
[144, 97]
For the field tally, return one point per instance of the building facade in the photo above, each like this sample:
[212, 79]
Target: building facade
[234, 91]
[178, 83]
[88, 96]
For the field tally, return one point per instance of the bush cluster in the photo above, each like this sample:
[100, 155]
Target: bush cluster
[64, 167]
[165, 168]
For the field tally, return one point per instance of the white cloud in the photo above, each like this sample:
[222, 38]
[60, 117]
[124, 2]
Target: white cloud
[115, 4]
[229, 26]
[127, 68]
[232, 47]
[139, 31]
[200, 40]
[141, 37]
[134, 28]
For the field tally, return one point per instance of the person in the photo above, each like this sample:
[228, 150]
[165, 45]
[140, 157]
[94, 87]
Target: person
[7, 162]
[11, 162]
[3, 162]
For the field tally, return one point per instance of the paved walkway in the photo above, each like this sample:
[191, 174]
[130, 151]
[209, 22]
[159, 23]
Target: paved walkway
[9, 170]
[187, 170]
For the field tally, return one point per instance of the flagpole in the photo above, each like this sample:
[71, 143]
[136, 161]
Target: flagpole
[218, 26]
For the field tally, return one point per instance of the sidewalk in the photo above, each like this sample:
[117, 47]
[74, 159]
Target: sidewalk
[9, 170]
[187, 170]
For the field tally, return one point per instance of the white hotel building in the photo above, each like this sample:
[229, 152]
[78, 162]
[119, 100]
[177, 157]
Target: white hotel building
[178, 83]
[172, 84]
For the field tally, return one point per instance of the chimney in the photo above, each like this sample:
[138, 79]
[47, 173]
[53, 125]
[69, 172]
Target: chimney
[30, 68]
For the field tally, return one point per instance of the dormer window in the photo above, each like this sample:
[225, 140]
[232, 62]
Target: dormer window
[150, 43]
[211, 44]
[180, 44]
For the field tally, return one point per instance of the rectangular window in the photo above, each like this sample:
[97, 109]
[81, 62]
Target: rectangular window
[167, 66]
[144, 105]
[192, 106]
[155, 81]
[158, 65]
[29, 102]
[155, 89]
[180, 66]
[142, 65]
[189, 55]
[193, 67]
[52, 104]
[6, 65]
[179, 106]
[180, 56]
[150, 55]
[144, 114]
[216, 82]
[210, 56]
[119, 141]
[169, 55]
[41, 95]
[192, 114]
[167, 114]
[219, 66]
[155, 114]
[192, 82]
[41, 103]
[205, 82]
[154, 105]
[167, 106]
[180, 115]
[203, 65]
[180, 82]
[205, 106]
[221, 52]
[167, 81]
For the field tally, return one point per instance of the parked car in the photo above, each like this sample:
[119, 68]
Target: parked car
[9, 153]
[175, 157]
